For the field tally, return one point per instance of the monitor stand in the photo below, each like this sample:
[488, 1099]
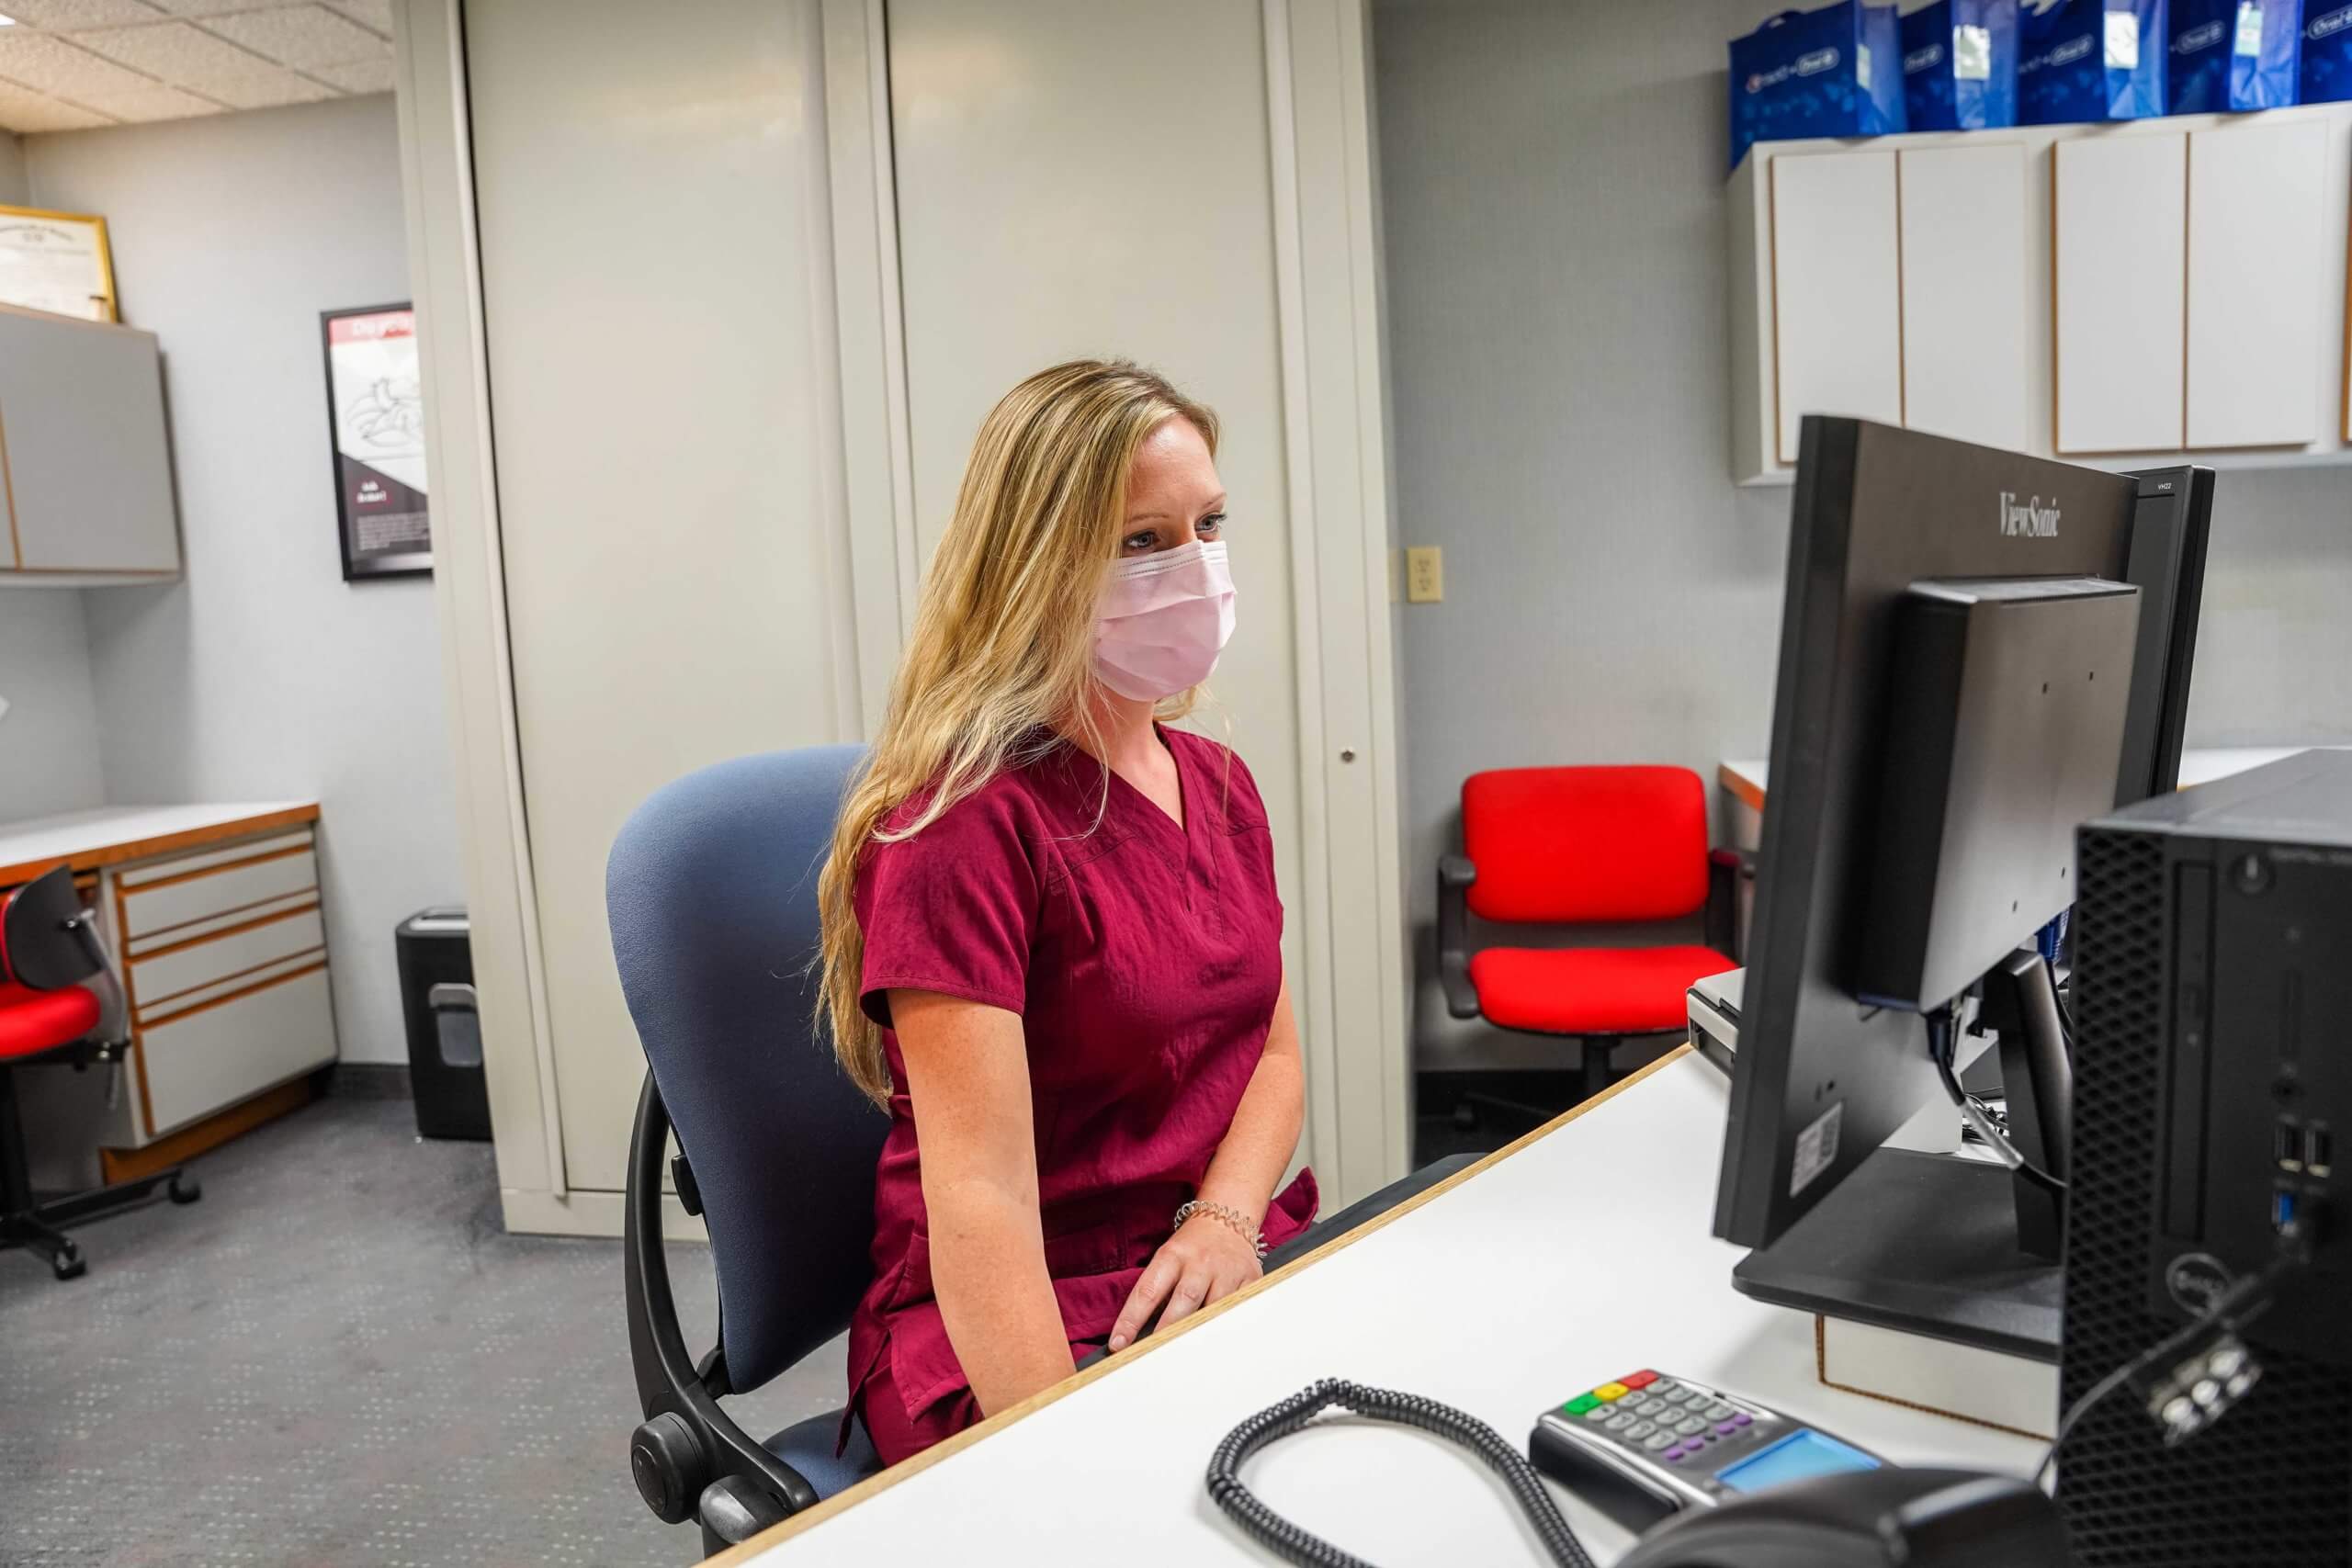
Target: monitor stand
[1952, 1247]
[1923, 1244]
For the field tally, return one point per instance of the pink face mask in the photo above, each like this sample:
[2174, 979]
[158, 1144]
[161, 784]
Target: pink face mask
[1163, 620]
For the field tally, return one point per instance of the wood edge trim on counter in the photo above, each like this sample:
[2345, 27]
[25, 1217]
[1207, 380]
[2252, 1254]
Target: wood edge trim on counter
[163, 843]
[777, 1534]
[258, 921]
[1750, 793]
[8, 496]
[316, 950]
[204, 871]
[131, 1015]
[237, 996]
[129, 1165]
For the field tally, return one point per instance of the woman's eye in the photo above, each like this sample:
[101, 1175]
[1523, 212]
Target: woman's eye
[1136, 544]
[1214, 522]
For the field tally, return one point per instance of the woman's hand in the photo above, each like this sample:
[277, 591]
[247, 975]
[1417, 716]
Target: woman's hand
[1205, 1260]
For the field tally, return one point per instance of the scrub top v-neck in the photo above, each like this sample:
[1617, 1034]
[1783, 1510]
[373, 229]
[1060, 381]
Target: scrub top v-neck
[1143, 958]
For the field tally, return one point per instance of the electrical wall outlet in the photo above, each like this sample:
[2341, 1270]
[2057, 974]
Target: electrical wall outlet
[1424, 574]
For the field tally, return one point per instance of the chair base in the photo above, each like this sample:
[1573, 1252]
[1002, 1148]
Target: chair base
[39, 1226]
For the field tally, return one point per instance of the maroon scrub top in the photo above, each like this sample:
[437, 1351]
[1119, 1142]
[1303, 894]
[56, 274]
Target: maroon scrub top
[1144, 960]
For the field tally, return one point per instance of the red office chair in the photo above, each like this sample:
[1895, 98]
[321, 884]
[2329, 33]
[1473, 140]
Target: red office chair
[1584, 845]
[58, 1002]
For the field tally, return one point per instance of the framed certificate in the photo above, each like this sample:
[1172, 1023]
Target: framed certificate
[376, 420]
[57, 262]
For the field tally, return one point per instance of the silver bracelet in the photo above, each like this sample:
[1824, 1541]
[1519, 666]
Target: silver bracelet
[1231, 1218]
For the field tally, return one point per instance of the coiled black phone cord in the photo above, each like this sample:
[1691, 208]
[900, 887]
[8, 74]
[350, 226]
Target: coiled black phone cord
[1285, 1538]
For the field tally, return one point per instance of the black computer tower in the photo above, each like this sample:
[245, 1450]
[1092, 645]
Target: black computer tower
[2212, 1002]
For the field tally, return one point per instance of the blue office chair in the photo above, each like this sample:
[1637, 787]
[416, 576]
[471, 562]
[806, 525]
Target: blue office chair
[712, 895]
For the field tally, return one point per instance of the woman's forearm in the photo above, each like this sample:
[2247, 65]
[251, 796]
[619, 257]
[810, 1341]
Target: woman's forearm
[988, 1266]
[1258, 1147]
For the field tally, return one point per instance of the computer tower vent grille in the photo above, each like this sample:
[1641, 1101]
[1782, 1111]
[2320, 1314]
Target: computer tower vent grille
[2270, 1484]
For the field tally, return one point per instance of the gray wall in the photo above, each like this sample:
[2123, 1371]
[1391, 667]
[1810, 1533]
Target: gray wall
[12, 169]
[1553, 184]
[49, 737]
[262, 675]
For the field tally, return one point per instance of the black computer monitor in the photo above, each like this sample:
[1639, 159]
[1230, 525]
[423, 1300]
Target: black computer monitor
[1821, 1078]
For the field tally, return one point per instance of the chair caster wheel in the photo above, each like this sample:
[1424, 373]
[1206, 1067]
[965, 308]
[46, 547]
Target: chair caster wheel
[185, 1188]
[69, 1264]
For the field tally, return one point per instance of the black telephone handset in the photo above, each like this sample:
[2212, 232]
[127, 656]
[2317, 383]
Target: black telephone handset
[1873, 1519]
[1744, 1486]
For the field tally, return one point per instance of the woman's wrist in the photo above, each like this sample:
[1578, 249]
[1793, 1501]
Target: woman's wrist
[1240, 1222]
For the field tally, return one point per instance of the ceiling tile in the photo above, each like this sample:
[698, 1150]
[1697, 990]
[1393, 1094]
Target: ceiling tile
[175, 51]
[152, 103]
[358, 76]
[211, 7]
[301, 35]
[373, 13]
[28, 112]
[57, 16]
[54, 66]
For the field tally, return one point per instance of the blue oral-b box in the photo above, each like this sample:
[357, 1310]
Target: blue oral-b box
[2083, 60]
[1959, 65]
[2204, 34]
[1837, 70]
[2327, 50]
[2267, 54]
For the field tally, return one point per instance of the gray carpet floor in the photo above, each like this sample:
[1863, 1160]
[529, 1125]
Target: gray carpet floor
[338, 1355]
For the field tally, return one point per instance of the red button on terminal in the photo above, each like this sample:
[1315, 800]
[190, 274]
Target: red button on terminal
[1638, 1380]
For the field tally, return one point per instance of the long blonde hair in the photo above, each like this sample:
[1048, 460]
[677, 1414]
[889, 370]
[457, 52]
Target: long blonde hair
[1003, 639]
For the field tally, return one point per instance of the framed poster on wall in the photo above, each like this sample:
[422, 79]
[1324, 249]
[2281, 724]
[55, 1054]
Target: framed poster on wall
[376, 420]
[56, 262]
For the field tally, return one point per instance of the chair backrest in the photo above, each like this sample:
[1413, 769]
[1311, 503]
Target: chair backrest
[712, 895]
[1586, 844]
[37, 947]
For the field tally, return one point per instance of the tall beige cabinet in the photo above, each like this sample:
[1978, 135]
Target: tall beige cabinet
[713, 298]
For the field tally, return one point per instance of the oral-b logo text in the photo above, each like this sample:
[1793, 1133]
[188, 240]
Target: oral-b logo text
[1812, 64]
[2328, 26]
[2196, 40]
[1920, 60]
[2031, 520]
[2065, 54]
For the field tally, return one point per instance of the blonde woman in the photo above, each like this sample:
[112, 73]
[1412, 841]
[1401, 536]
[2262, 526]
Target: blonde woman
[1052, 944]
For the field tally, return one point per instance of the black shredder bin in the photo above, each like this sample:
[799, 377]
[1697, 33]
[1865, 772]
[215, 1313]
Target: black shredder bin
[444, 1028]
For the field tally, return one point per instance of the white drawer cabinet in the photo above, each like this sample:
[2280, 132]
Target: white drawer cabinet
[214, 917]
[215, 1054]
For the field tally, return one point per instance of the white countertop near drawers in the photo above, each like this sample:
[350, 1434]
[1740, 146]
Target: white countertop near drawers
[113, 833]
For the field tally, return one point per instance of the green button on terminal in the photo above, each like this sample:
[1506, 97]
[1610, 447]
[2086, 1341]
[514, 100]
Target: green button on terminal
[1579, 1404]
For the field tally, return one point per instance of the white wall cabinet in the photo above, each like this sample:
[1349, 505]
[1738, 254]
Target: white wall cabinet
[1836, 295]
[2116, 294]
[2119, 222]
[85, 476]
[1964, 313]
[2255, 192]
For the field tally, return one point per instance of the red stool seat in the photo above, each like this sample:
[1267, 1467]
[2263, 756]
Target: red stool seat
[33, 1022]
[1590, 990]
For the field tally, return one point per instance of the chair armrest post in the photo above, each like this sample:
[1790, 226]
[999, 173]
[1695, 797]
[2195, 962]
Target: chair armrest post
[668, 1381]
[1727, 872]
[1455, 874]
